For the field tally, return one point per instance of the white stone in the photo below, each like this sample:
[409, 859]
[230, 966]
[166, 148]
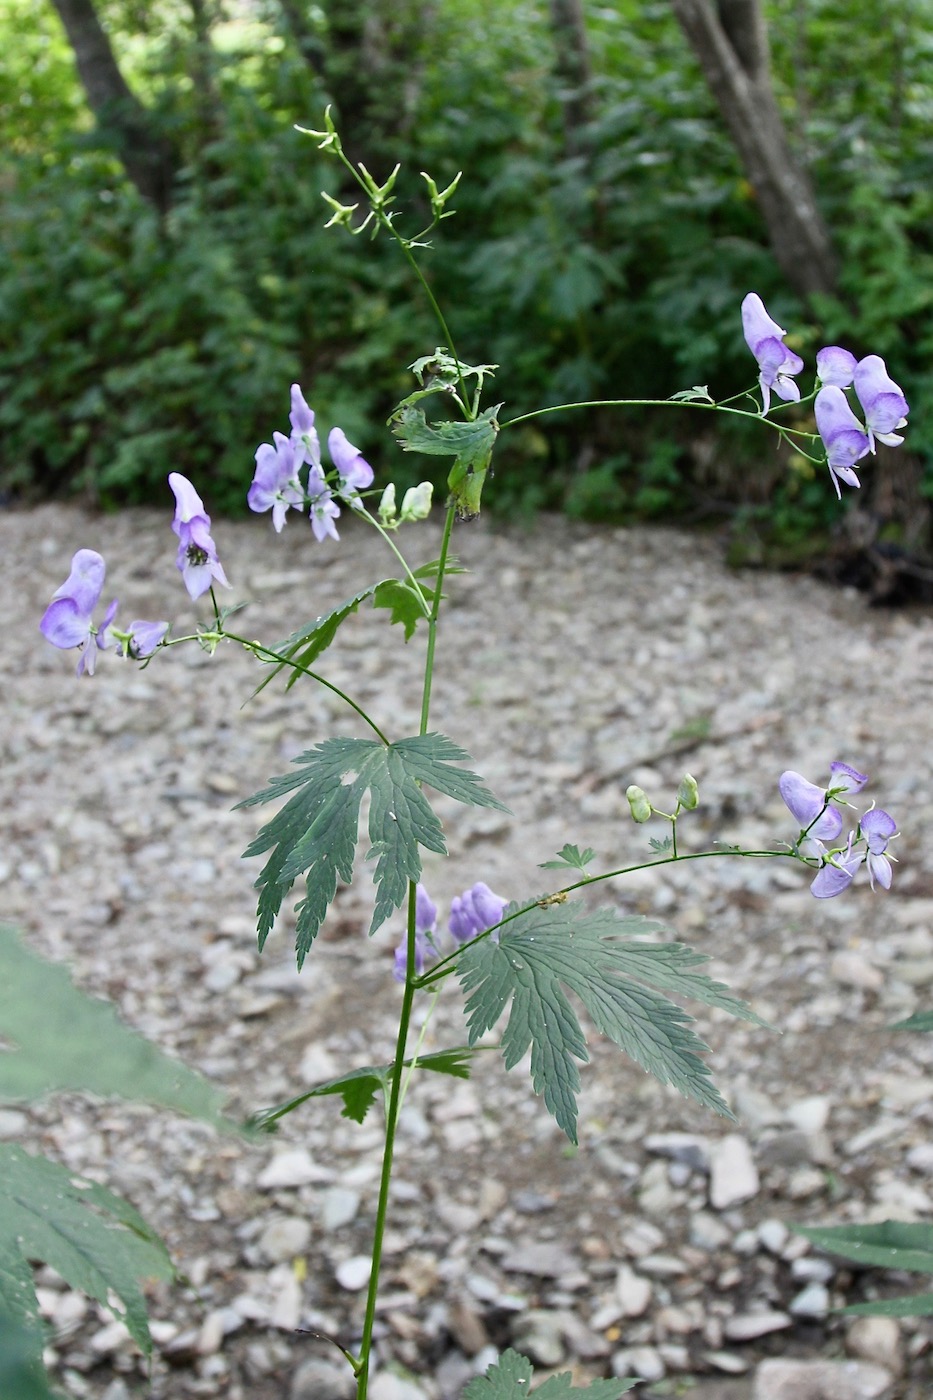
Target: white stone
[745, 1327]
[292, 1168]
[284, 1239]
[353, 1273]
[733, 1175]
[821, 1380]
[633, 1292]
[812, 1301]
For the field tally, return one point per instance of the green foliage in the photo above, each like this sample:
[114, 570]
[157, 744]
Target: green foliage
[470, 443]
[597, 956]
[572, 857]
[95, 1240]
[316, 832]
[892, 1244]
[919, 1021]
[509, 1378]
[78, 1043]
[359, 1088]
[22, 1375]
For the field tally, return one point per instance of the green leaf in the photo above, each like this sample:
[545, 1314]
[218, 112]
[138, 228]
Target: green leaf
[22, 1375]
[359, 1088]
[316, 832]
[541, 950]
[469, 442]
[305, 646]
[661, 845]
[509, 1378]
[892, 1244]
[570, 856]
[698, 392]
[920, 1021]
[79, 1043]
[95, 1240]
[909, 1305]
[407, 606]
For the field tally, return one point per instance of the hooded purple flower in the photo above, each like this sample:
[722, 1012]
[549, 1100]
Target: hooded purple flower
[835, 366]
[66, 622]
[275, 484]
[838, 873]
[776, 364]
[474, 911]
[354, 471]
[425, 924]
[324, 509]
[143, 638]
[197, 555]
[817, 817]
[304, 433]
[884, 404]
[843, 436]
[878, 827]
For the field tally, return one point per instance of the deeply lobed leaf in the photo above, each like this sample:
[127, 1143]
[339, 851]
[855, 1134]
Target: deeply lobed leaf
[510, 1377]
[543, 950]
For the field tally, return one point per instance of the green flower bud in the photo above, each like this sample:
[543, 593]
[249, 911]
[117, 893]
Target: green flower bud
[638, 802]
[387, 506]
[688, 794]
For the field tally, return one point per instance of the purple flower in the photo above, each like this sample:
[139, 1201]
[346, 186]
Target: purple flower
[425, 923]
[422, 950]
[275, 484]
[66, 622]
[474, 911]
[776, 364]
[324, 509]
[835, 366]
[425, 911]
[354, 471]
[838, 872]
[844, 779]
[878, 827]
[304, 433]
[143, 638]
[197, 555]
[819, 820]
[885, 407]
[843, 436]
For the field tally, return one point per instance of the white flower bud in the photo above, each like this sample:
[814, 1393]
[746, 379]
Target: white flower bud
[688, 794]
[387, 505]
[416, 503]
[639, 804]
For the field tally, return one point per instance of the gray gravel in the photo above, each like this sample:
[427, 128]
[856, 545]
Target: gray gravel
[573, 661]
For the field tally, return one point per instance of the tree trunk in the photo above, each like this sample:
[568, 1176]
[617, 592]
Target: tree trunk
[573, 71]
[147, 157]
[730, 41]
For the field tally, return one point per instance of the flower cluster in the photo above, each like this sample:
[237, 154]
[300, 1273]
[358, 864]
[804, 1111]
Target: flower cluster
[846, 439]
[68, 620]
[821, 825]
[471, 914]
[277, 481]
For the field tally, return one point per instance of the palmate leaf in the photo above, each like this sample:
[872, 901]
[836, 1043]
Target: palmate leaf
[315, 833]
[359, 1088]
[78, 1042]
[22, 1375]
[890, 1244]
[543, 950]
[95, 1240]
[509, 1378]
[469, 442]
[572, 857]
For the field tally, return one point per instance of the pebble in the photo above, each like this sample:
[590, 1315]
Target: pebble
[284, 1239]
[633, 1292]
[877, 1339]
[289, 1169]
[812, 1301]
[745, 1327]
[821, 1380]
[353, 1274]
[733, 1174]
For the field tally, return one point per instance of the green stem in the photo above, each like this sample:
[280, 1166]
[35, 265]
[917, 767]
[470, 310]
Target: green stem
[655, 403]
[447, 965]
[268, 654]
[367, 515]
[392, 1112]
[432, 620]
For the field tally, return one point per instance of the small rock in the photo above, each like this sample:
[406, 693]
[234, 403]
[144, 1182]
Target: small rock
[745, 1327]
[291, 1168]
[773, 1235]
[542, 1259]
[538, 1335]
[686, 1148]
[386, 1386]
[633, 1292]
[339, 1206]
[284, 1239]
[821, 1380]
[877, 1339]
[852, 969]
[639, 1361]
[320, 1380]
[809, 1115]
[353, 1274]
[726, 1361]
[812, 1301]
[733, 1175]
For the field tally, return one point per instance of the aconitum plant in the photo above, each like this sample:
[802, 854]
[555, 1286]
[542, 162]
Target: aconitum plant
[516, 960]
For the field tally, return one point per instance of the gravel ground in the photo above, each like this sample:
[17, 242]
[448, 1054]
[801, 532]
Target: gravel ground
[573, 661]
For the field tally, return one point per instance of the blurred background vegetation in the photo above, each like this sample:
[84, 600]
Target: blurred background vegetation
[165, 274]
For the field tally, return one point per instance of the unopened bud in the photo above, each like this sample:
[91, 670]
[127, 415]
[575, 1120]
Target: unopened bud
[387, 505]
[416, 503]
[638, 802]
[688, 794]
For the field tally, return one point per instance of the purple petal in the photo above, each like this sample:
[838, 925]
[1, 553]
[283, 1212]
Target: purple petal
[303, 429]
[425, 911]
[354, 471]
[844, 779]
[188, 504]
[843, 437]
[487, 906]
[878, 827]
[883, 401]
[879, 868]
[835, 366]
[833, 879]
[85, 582]
[145, 637]
[64, 624]
[757, 325]
[804, 799]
